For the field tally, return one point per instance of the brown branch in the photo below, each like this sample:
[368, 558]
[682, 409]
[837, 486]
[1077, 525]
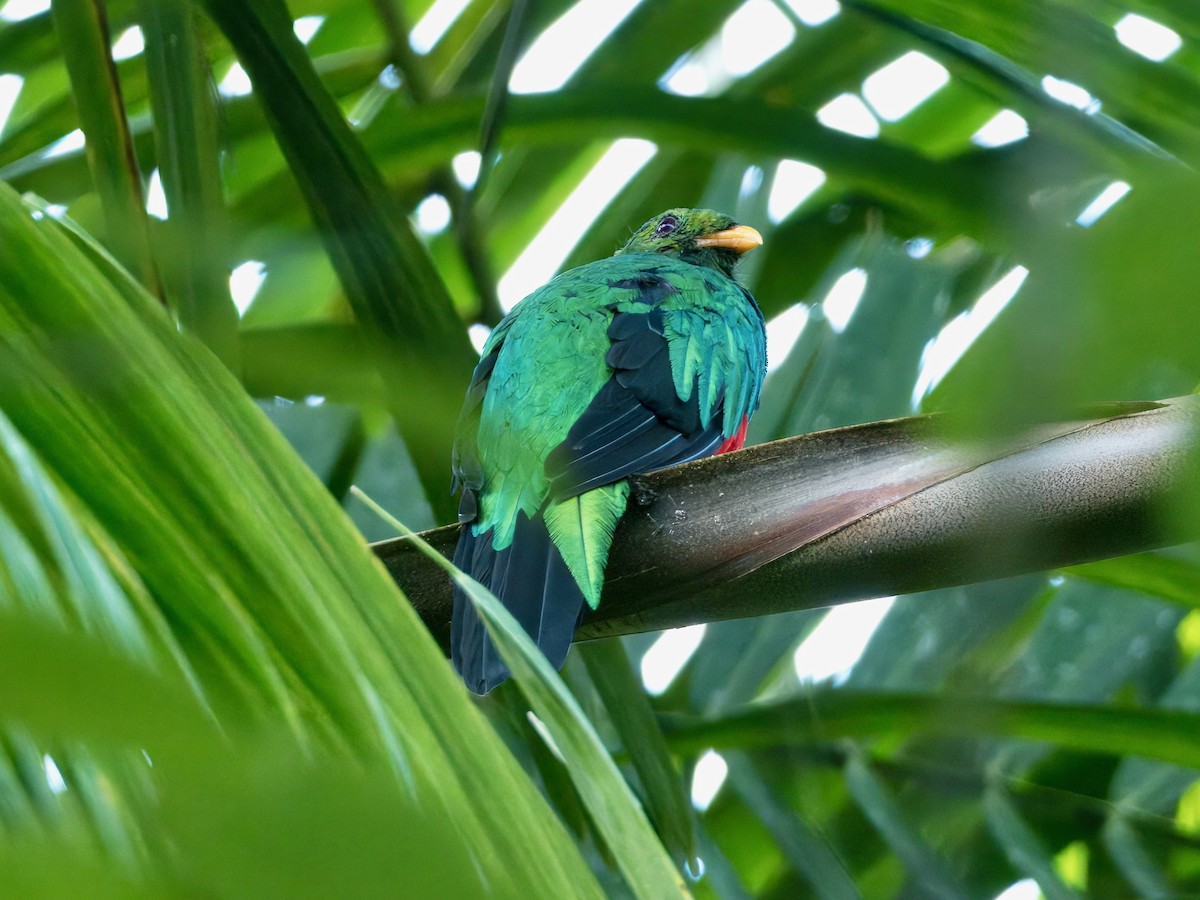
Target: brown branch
[872, 510]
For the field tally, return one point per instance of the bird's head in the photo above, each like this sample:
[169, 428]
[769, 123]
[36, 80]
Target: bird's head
[699, 236]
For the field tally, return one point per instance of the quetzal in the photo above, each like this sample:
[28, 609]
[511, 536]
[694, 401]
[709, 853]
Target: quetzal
[652, 357]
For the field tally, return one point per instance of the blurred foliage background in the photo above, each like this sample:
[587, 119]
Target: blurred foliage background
[210, 687]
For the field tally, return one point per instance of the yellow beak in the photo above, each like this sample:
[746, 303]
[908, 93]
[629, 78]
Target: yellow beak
[739, 239]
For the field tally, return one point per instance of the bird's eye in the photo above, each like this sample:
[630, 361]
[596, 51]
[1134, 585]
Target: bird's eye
[666, 226]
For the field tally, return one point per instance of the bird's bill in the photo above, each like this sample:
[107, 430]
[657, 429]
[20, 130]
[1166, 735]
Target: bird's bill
[739, 239]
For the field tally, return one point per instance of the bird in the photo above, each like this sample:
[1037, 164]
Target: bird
[649, 358]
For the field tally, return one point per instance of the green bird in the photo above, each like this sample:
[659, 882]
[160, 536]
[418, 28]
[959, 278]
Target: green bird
[650, 358]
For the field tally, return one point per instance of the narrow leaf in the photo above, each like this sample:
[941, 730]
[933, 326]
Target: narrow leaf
[805, 848]
[389, 279]
[875, 799]
[266, 583]
[641, 736]
[1022, 846]
[83, 32]
[195, 258]
[826, 715]
[615, 811]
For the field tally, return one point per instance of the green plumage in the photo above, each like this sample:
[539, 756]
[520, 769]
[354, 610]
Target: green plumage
[571, 374]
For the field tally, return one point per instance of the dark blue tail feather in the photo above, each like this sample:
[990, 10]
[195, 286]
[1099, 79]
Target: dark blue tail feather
[532, 581]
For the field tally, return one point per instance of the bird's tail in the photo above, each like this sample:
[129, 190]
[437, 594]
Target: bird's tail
[532, 581]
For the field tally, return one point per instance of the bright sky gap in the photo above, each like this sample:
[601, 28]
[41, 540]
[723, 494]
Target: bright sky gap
[245, 281]
[432, 26]
[794, 182]
[10, 89]
[814, 12]
[1071, 94]
[547, 65]
[544, 255]
[1105, 201]
[836, 644]
[782, 333]
[848, 113]
[1005, 127]
[156, 197]
[433, 214]
[19, 10]
[1025, 889]
[129, 44]
[54, 777]
[962, 331]
[68, 143]
[707, 778]
[841, 301]
[904, 84]
[1148, 38]
[668, 655]
[755, 32]
[236, 82]
[466, 167]
[306, 27]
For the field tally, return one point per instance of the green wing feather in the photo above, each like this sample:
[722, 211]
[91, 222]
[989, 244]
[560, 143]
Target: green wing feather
[582, 529]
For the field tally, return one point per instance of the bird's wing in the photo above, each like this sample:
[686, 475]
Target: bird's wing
[464, 460]
[686, 373]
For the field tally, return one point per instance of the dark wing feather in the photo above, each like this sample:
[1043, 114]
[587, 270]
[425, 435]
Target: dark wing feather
[636, 423]
[550, 613]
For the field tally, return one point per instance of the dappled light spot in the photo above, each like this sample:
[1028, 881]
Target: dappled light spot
[794, 183]
[1005, 127]
[543, 256]
[841, 301]
[707, 779]
[245, 281]
[668, 655]
[1105, 200]
[836, 644]
[130, 44]
[432, 26]
[904, 84]
[1146, 37]
[561, 49]
[848, 113]
[755, 32]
